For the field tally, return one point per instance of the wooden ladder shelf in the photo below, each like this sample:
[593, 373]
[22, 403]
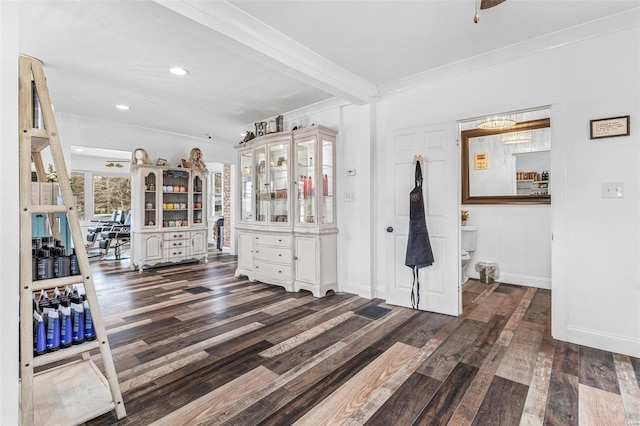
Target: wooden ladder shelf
[76, 390]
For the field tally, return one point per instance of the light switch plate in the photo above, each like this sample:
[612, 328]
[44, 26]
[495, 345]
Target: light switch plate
[612, 189]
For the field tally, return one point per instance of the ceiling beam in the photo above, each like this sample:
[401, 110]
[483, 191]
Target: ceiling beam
[253, 38]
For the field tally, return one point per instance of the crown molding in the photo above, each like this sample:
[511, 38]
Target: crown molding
[601, 27]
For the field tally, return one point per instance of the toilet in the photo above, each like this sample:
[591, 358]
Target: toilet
[469, 237]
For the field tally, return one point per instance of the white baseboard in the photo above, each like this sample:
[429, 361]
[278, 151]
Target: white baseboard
[605, 341]
[518, 279]
[356, 288]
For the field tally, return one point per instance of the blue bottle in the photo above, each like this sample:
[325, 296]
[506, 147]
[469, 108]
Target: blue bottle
[77, 320]
[89, 330]
[39, 337]
[53, 326]
[66, 329]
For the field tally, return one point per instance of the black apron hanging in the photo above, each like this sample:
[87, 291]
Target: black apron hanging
[419, 253]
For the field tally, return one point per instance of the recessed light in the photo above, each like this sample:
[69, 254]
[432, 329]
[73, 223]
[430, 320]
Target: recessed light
[123, 107]
[178, 71]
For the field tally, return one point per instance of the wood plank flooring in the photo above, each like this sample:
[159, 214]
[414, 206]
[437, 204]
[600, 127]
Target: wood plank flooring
[192, 344]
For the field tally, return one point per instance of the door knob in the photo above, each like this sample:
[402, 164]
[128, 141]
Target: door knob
[389, 229]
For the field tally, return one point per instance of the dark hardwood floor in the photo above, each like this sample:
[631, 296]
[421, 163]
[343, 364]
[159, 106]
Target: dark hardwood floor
[192, 344]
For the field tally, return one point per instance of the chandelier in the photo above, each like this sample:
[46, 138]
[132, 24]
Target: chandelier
[516, 137]
[497, 122]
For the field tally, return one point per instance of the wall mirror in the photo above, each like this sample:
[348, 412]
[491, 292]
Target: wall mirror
[507, 166]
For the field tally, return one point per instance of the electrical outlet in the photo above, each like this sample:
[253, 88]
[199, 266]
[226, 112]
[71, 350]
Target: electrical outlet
[349, 197]
[612, 190]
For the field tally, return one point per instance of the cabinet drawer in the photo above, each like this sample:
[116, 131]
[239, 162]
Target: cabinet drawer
[272, 254]
[272, 240]
[175, 254]
[176, 235]
[176, 244]
[270, 271]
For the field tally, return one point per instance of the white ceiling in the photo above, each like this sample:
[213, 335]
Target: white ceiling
[252, 60]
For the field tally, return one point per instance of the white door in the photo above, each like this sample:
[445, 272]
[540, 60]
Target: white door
[439, 283]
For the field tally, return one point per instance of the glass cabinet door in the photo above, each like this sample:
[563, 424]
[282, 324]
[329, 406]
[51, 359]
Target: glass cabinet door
[175, 198]
[328, 201]
[198, 203]
[246, 186]
[279, 182]
[306, 202]
[263, 189]
[150, 199]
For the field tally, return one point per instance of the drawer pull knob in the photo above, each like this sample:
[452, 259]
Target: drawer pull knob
[279, 272]
[257, 251]
[280, 254]
[279, 240]
[295, 257]
[257, 267]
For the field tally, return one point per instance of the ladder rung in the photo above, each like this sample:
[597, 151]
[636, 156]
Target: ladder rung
[61, 354]
[47, 208]
[55, 282]
[39, 139]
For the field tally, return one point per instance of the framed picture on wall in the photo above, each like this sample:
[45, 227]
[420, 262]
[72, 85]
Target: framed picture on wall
[610, 127]
[481, 161]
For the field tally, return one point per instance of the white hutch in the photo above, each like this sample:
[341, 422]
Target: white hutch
[287, 233]
[169, 222]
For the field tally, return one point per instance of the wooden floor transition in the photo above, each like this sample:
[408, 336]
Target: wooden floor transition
[192, 344]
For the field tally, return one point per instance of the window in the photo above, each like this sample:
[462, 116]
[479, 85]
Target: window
[111, 193]
[77, 187]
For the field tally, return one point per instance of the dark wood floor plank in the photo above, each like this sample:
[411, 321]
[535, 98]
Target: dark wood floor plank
[481, 347]
[160, 351]
[301, 353]
[502, 405]
[597, 369]
[565, 359]
[406, 404]
[440, 364]
[441, 407]
[539, 308]
[428, 326]
[562, 400]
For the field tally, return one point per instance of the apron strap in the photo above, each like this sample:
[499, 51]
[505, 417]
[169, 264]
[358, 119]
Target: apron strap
[415, 289]
[418, 176]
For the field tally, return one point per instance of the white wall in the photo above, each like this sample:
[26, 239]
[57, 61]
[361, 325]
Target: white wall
[103, 134]
[596, 293]
[354, 219]
[596, 297]
[9, 217]
[518, 238]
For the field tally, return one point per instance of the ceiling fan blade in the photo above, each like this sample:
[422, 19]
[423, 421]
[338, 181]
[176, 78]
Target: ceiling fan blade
[486, 4]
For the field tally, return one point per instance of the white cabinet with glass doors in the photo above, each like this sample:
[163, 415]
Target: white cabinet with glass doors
[166, 203]
[287, 188]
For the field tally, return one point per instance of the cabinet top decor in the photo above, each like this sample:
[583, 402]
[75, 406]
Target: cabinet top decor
[299, 132]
